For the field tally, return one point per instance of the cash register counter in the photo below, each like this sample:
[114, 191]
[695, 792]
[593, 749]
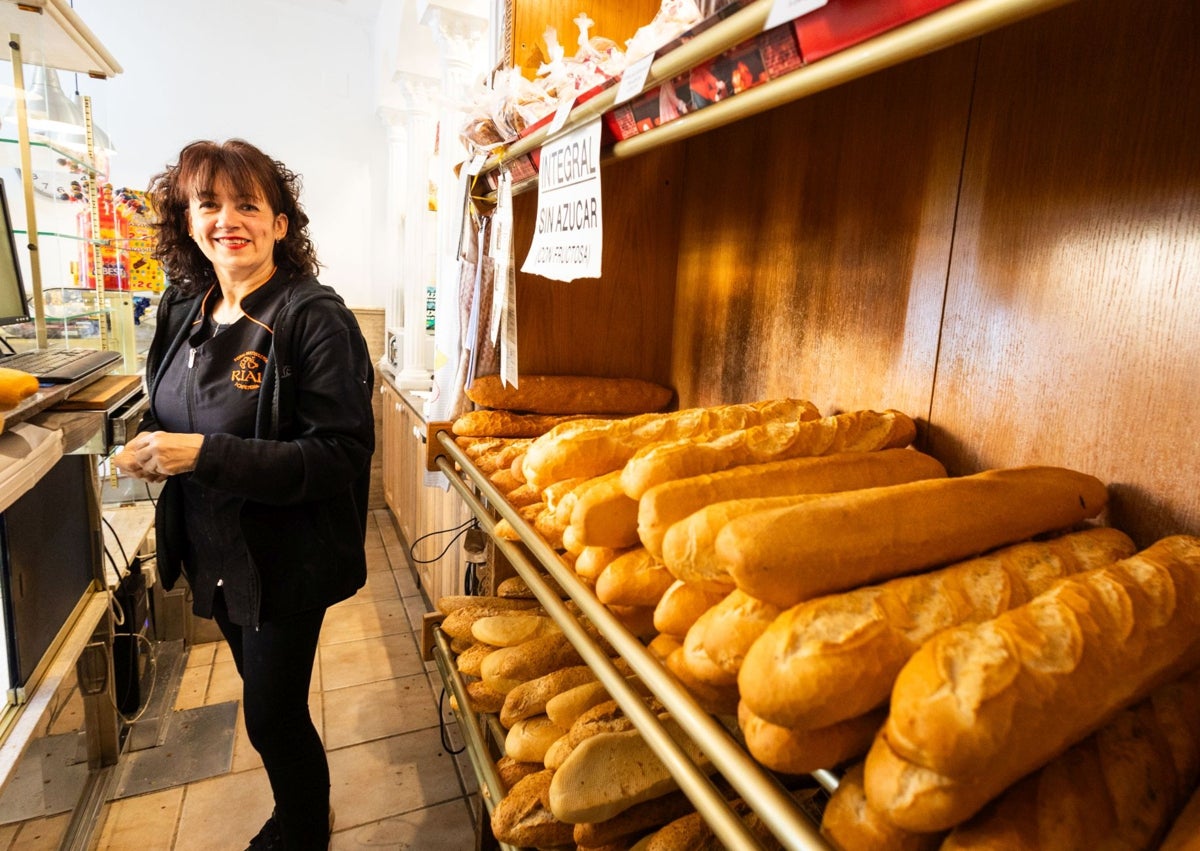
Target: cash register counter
[53, 588]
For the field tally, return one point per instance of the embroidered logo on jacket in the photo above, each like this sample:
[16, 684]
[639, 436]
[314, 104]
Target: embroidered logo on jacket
[248, 371]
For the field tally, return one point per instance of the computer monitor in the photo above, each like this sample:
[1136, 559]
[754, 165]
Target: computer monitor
[14, 306]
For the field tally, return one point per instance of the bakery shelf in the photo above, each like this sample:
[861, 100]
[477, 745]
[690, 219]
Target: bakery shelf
[491, 788]
[955, 23]
[758, 787]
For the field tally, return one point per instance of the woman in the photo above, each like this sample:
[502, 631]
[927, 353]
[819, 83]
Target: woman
[260, 425]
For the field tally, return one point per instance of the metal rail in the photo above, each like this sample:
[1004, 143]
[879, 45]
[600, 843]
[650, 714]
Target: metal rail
[758, 788]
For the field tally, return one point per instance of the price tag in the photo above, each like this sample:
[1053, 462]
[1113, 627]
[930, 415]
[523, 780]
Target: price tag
[475, 164]
[783, 11]
[634, 79]
[560, 116]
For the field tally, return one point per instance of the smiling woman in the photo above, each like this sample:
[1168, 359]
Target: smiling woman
[260, 424]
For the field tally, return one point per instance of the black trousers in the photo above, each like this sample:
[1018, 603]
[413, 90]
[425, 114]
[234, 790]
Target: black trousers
[276, 663]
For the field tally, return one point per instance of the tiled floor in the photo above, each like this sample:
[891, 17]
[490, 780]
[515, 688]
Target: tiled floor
[376, 704]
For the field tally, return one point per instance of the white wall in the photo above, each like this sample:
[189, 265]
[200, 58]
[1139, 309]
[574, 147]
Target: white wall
[290, 77]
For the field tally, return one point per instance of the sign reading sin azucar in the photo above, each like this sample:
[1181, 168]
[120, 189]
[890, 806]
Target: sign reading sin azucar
[569, 230]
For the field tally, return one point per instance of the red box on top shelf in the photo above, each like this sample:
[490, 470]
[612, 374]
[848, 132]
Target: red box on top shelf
[842, 23]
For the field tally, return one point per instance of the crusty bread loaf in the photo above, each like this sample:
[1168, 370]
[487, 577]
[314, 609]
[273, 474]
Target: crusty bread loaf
[663, 645]
[469, 661]
[515, 587]
[1185, 832]
[460, 622]
[634, 821]
[523, 496]
[850, 823]
[506, 668]
[451, 603]
[530, 738]
[666, 504]
[501, 456]
[639, 620]
[979, 706]
[593, 560]
[692, 833]
[530, 698]
[608, 773]
[729, 629]
[511, 770]
[717, 697]
[681, 605]
[590, 448]
[483, 698]
[489, 423]
[605, 516]
[504, 481]
[564, 708]
[836, 656]
[511, 629]
[570, 394]
[523, 817]
[635, 578]
[853, 431]
[834, 542]
[1117, 789]
[801, 750]
[689, 548]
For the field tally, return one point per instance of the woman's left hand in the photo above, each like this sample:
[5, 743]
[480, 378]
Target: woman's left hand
[154, 455]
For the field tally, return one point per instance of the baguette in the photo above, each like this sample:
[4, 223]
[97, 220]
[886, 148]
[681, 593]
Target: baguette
[637, 819]
[837, 656]
[681, 606]
[834, 542]
[718, 698]
[666, 504]
[663, 645]
[570, 394]
[853, 431]
[693, 833]
[483, 698]
[451, 603]
[489, 423]
[460, 622]
[689, 547]
[510, 770]
[729, 629]
[591, 448]
[523, 817]
[850, 823]
[566, 707]
[469, 661]
[979, 706]
[638, 620]
[1117, 789]
[802, 750]
[633, 579]
[593, 560]
[608, 773]
[605, 516]
[531, 698]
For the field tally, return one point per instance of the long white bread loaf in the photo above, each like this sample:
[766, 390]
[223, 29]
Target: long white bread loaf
[834, 542]
[837, 656]
[681, 606]
[853, 431]
[689, 548]
[666, 504]
[523, 817]
[591, 448]
[852, 824]
[610, 772]
[605, 516]
[1118, 789]
[979, 706]
[633, 579]
[729, 629]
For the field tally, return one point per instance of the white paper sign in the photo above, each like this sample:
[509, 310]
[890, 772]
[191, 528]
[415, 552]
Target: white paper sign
[568, 234]
[783, 11]
[560, 116]
[633, 79]
[501, 252]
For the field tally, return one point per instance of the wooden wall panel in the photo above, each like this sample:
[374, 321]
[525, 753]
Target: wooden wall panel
[620, 324]
[1074, 299]
[815, 243]
[613, 20]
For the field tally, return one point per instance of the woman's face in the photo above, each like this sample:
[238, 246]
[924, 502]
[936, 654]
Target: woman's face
[236, 233]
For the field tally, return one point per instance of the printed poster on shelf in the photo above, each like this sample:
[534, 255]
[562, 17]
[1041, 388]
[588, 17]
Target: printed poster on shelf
[568, 233]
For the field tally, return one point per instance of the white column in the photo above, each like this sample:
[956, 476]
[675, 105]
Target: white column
[458, 28]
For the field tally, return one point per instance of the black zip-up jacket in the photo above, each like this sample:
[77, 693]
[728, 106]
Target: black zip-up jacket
[305, 474]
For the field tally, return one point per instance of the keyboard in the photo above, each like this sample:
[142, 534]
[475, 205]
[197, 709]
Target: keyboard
[60, 366]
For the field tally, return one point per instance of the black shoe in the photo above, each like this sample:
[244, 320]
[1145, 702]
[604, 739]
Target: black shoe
[270, 838]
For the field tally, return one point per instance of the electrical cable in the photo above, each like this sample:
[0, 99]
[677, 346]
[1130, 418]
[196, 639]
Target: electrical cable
[442, 726]
[460, 530]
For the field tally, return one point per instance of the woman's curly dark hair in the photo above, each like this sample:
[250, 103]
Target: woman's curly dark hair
[249, 172]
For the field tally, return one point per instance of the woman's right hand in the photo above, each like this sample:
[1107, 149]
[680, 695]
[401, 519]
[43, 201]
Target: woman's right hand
[126, 461]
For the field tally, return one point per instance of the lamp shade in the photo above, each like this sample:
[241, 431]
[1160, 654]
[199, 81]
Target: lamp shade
[55, 115]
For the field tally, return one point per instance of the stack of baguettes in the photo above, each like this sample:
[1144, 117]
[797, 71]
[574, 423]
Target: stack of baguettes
[788, 567]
